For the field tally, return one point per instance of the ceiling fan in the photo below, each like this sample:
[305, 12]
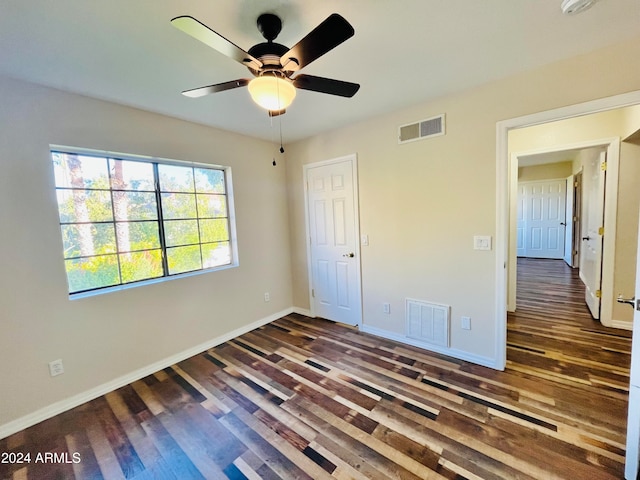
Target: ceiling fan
[273, 64]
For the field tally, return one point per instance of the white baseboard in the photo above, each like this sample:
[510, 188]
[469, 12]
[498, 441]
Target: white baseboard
[302, 311]
[451, 352]
[76, 400]
[623, 324]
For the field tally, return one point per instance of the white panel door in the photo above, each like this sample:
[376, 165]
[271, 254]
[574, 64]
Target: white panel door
[568, 223]
[593, 182]
[543, 215]
[632, 460]
[632, 463]
[333, 230]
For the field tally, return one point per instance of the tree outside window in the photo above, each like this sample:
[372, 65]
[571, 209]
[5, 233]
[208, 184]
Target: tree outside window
[125, 220]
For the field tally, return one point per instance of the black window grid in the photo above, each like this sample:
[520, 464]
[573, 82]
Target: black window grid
[159, 220]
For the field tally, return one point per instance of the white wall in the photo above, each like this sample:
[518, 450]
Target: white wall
[107, 337]
[421, 203]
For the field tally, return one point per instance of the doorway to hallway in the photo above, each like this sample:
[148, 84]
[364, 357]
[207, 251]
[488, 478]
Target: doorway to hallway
[552, 335]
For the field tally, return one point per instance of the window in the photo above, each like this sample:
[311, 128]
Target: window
[125, 219]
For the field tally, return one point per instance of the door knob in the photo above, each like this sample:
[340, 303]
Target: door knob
[563, 224]
[350, 255]
[630, 301]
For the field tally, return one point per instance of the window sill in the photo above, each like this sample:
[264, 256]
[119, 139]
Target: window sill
[128, 286]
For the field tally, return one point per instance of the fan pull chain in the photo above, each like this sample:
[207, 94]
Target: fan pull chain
[279, 124]
[281, 147]
[273, 140]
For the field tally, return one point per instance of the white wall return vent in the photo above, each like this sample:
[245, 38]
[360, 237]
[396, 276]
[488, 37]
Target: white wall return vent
[428, 322]
[429, 127]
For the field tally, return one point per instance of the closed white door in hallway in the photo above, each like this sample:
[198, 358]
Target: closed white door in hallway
[541, 218]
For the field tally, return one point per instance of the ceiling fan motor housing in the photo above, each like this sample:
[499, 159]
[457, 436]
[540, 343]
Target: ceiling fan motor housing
[269, 26]
[269, 53]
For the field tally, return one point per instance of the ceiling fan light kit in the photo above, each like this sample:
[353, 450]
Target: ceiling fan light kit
[272, 92]
[273, 64]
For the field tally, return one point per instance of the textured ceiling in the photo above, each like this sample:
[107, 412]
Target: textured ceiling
[402, 53]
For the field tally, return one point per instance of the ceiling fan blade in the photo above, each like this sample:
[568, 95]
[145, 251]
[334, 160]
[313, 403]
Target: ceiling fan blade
[200, 31]
[326, 36]
[325, 85]
[219, 87]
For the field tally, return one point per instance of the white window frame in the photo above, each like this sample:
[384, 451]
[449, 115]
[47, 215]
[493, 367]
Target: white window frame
[233, 242]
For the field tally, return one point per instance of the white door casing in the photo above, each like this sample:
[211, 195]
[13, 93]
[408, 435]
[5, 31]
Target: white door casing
[506, 176]
[593, 182]
[568, 223]
[334, 254]
[577, 219]
[541, 214]
[521, 234]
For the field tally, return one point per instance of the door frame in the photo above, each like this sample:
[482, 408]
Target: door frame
[612, 147]
[502, 196]
[353, 159]
[577, 214]
[569, 207]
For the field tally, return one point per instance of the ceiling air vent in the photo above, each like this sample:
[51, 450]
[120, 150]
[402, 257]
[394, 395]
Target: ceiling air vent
[430, 127]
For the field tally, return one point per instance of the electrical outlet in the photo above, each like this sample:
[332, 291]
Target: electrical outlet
[267, 297]
[56, 368]
[466, 323]
[386, 308]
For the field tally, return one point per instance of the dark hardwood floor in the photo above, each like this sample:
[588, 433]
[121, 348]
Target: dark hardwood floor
[309, 399]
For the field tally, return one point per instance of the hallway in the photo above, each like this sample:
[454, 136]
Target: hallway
[552, 333]
[581, 366]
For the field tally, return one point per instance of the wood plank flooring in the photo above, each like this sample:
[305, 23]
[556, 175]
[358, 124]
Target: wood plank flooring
[310, 399]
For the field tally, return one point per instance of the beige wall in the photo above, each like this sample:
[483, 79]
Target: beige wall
[108, 336]
[631, 119]
[422, 203]
[627, 227]
[547, 171]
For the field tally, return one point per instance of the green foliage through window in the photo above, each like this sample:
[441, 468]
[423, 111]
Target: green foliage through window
[126, 220]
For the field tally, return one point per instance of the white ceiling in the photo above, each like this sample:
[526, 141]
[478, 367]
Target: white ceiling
[403, 52]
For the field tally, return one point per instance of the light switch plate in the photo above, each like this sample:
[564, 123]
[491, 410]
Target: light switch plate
[56, 368]
[364, 240]
[482, 242]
